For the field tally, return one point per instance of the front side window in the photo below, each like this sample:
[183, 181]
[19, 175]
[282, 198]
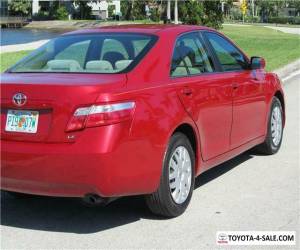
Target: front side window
[88, 53]
[230, 58]
[190, 57]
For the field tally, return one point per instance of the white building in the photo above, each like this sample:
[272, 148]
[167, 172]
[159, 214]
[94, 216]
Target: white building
[99, 8]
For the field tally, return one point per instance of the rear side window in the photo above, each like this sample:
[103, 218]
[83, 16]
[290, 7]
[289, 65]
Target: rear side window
[190, 57]
[88, 53]
[230, 58]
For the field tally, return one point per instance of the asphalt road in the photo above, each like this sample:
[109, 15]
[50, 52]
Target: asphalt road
[250, 192]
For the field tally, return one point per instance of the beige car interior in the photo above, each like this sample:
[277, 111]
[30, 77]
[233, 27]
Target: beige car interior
[97, 66]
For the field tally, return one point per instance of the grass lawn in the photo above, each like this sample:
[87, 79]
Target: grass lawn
[8, 59]
[276, 47]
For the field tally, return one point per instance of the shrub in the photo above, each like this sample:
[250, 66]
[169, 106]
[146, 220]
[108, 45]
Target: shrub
[252, 19]
[61, 13]
[155, 14]
[284, 20]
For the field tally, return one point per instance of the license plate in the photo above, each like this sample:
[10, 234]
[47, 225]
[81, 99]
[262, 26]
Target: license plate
[23, 121]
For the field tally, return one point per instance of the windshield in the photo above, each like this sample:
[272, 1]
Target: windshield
[88, 53]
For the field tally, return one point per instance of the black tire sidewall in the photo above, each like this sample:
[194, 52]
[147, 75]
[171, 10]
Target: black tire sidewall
[178, 139]
[274, 149]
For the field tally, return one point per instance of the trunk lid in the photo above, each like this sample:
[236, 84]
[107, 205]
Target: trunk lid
[55, 97]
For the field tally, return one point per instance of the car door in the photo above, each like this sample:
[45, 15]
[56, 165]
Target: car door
[249, 103]
[205, 94]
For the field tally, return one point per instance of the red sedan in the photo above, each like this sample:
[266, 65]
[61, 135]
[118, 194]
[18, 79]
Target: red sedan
[138, 109]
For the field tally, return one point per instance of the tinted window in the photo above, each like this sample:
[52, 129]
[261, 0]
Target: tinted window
[113, 46]
[229, 56]
[190, 57]
[100, 53]
[76, 52]
[138, 45]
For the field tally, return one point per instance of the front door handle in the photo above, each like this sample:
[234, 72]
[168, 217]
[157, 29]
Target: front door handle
[187, 91]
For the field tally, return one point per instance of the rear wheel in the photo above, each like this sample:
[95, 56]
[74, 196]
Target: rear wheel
[275, 130]
[177, 180]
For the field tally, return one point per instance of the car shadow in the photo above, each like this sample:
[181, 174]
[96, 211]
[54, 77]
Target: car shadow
[70, 215]
[222, 169]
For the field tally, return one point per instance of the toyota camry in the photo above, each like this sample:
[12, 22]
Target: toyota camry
[133, 110]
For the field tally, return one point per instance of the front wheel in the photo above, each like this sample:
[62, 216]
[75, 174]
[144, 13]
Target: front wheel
[177, 180]
[275, 130]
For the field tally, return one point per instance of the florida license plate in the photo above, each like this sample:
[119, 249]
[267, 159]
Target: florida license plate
[23, 121]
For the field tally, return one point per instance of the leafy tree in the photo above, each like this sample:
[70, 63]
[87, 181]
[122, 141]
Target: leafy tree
[294, 4]
[267, 8]
[213, 14]
[134, 9]
[196, 12]
[19, 7]
[84, 10]
[53, 7]
[156, 10]
[191, 12]
[138, 10]
[126, 9]
[61, 13]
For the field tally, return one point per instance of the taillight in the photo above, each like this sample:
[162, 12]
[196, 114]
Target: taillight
[99, 115]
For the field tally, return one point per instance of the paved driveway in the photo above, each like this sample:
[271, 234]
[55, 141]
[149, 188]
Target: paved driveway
[250, 192]
[291, 30]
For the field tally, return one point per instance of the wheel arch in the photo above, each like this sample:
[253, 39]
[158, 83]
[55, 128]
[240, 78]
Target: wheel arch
[189, 131]
[279, 95]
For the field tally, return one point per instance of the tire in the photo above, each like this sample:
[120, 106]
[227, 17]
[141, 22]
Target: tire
[172, 197]
[273, 141]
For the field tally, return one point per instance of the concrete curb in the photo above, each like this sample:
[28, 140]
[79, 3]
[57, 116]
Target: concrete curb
[288, 69]
[21, 47]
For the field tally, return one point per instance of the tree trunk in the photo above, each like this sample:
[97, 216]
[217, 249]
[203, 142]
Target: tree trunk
[169, 11]
[176, 12]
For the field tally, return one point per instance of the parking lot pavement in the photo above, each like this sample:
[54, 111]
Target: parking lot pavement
[250, 192]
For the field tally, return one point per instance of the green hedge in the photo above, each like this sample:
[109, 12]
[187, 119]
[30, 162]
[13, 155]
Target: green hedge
[284, 20]
[252, 19]
[42, 16]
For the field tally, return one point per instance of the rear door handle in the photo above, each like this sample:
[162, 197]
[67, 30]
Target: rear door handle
[235, 85]
[187, 91]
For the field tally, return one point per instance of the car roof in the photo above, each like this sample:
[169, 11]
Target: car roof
[158, 29]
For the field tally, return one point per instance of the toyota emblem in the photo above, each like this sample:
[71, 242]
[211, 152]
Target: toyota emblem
[19, 99]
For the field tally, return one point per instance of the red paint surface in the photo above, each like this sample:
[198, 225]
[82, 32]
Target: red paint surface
[228, 113]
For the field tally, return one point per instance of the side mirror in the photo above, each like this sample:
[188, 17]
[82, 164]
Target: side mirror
[257, 62]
